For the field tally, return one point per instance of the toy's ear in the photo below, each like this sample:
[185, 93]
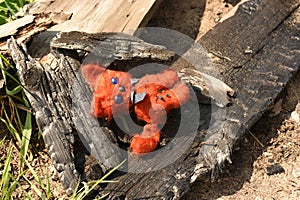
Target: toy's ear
[91, 72]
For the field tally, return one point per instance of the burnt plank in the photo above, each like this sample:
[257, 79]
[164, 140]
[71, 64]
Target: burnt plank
[51, 112]
[136, 181]
[271, 30]
[248, 29]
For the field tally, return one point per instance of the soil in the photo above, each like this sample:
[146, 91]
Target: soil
[265, 164]
[191, 17]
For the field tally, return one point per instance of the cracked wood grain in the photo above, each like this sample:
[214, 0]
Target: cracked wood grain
[271, 31]
[99, 16]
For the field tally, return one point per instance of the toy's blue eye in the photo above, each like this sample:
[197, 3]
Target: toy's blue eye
[114, 80]
[122, 89]
[118, 99]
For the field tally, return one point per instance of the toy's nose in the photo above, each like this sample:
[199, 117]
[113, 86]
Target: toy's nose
[118, 99]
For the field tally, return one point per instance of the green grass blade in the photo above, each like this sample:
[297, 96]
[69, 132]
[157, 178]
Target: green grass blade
[4, 71]
[11, 189]
[35, 175]
[2, 18]
[103, 196]
[4, 184]
[104, 181]
[10, 8]
[13, 7]
[85, 190]
[82, 192]
[76, 190]
[17, 118]
[36, 190]
[48, 188]
[26, 135]
[11, 127]
[14, 91]
[27, 129]
[14, 185]
[28, 196]
[44, 189]
[6, 61]
[106, 175]
[2, 141]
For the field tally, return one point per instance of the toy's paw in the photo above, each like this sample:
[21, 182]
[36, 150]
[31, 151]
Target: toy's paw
[147, 141]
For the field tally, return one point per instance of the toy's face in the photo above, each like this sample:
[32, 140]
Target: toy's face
[112, 94]
[164, 92]
[112, 90]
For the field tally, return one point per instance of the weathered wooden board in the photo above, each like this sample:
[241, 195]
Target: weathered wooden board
[99, 15]
[28, 26]
[91, 16]
[247, 32]
[260, 44]
[11, 28]
[270, 29]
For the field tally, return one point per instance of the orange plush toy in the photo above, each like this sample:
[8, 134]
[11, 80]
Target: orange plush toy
[116, 93]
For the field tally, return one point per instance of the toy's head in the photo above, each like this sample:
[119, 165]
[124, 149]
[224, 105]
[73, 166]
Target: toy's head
[165, 91]
[112, 90]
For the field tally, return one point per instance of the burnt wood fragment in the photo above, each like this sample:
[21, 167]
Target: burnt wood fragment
[261, 42]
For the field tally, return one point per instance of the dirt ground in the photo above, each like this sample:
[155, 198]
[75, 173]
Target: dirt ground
[266, 164]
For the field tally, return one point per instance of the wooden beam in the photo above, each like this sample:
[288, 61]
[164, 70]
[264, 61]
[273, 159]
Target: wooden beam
[257, 52]
[99, 15]
[12, 27]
